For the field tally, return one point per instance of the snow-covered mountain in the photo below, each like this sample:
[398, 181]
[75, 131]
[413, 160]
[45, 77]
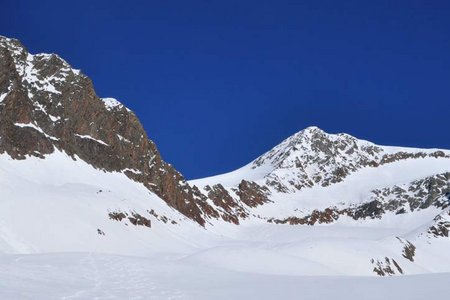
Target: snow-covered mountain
[314, 179]
[316, 170]
[46, 106]
[78, 173]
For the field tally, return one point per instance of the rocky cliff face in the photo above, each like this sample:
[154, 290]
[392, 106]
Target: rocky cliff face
[47, 106]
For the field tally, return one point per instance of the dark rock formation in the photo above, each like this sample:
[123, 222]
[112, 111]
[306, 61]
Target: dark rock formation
[117, 216]
[134, 218]
[373, 209]
[163, 219]
[138, 220]
[419, 194]
[232, 210]
[252, 194]
[326, 216]
[47, 106]
[441, 226]
[409, 251]
[385, 267]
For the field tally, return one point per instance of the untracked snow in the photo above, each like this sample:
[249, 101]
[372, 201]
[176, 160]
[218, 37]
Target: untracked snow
[112, 103]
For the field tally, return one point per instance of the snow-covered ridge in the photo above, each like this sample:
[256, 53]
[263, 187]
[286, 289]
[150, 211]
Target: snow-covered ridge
[314, 157]
[112, 103]
[313, 142]
[31, 75]
[313, 170]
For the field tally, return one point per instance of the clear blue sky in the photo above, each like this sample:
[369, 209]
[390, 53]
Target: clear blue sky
[217, 83]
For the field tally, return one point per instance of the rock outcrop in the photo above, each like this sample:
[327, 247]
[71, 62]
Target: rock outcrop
[47, 106]
[399, 199]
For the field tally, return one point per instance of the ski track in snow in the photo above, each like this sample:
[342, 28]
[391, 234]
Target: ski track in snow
[100, 276]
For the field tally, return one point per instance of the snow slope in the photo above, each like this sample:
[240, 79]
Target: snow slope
[59, 204]
[58, 241]
[95, 276]
[355, 188]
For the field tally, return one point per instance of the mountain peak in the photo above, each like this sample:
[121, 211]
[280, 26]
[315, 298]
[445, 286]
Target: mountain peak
[7, 40]
[48, 107]
[314, 157]
[311, 129]
[311, 141]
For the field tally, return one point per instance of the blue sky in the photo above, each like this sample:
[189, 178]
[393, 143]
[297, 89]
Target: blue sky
[217, 83]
